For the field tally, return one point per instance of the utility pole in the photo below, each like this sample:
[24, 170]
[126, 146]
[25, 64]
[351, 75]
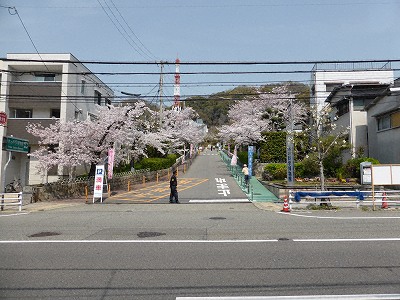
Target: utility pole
[177, 86]
[161, 91]
[290, 145]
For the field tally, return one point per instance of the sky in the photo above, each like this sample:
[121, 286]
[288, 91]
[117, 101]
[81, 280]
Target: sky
[202, 31]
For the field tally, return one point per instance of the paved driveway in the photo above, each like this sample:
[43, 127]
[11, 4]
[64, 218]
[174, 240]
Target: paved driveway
[206, 181]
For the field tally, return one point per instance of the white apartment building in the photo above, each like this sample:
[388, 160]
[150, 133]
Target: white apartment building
[43, 89]
[325, 77]
[348, 103]
[348, 88]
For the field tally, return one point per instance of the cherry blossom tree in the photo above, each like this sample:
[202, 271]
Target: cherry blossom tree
[260, 113]
[180, 130]
[325, 136]
[69, 144]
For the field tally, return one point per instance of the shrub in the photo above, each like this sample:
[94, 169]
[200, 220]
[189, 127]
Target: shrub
[243, 156]
[352, 167]
[310, 167]
[273, 149]
[156, 163]
[276, 171]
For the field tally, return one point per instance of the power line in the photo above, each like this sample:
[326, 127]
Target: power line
[126, 36]
[27, 32]
[305, 62]
[191, 73]
[131, 30]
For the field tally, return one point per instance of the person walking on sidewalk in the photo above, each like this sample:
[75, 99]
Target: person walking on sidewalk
[245, 171]
[173, 183]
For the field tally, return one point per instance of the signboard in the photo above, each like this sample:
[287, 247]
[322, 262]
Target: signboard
[98, 183]
[385, 174]
[366, 174]
[290, 159]
[250, 160]
[15, 145]
[111, 154]
[3, 118]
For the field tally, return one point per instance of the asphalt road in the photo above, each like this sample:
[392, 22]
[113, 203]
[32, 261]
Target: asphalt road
[166, 251]
[207, 180]
[153, 251]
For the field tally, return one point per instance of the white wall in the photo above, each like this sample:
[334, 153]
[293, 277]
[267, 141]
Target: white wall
[71, 87]
[321, 78]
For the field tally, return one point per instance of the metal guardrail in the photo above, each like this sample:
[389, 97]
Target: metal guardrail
[11, 199]
[236, 172]
[389, 197]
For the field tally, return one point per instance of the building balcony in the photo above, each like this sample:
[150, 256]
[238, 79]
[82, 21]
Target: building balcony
[17, 127]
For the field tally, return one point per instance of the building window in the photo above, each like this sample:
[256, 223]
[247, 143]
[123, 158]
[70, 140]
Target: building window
[83, 87]
[97, 97]
[55, 113]
[389, 121]
[331, 86]
[342, 108]
[22, 113]
[358, 104]
[45, 77]
[384, 122]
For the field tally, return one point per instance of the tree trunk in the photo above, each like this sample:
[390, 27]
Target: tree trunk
[321, 175]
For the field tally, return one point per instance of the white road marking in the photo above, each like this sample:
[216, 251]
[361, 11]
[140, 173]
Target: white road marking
[343, 297]
[133, 241]
[349, 240]
[219, 200]
[339, 218]
[16, 214]
[194, 241]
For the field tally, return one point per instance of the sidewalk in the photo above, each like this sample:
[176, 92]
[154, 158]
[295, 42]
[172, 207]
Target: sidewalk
[42, 206]
[256, 192]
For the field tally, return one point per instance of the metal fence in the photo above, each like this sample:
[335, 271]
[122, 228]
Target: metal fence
[379, 198]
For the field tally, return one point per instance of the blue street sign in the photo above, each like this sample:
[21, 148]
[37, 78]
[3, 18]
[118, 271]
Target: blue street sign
[250, 160]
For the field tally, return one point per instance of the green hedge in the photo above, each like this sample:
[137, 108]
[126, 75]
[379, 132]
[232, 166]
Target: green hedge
[156, 163]
[243, 156]
[273, 149]
[278, 171]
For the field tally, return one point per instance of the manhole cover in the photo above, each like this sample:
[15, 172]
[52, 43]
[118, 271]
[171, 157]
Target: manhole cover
[146, 234]
[43, 234]
[217, 218]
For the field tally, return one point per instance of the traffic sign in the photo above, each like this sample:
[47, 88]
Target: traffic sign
[15, 145]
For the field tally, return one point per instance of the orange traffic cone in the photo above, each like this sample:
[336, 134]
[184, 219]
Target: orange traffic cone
[286, 207]
[384, 201]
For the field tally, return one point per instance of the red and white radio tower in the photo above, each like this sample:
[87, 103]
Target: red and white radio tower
[177, 86]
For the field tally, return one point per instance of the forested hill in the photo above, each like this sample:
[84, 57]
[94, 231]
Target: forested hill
[214, 108]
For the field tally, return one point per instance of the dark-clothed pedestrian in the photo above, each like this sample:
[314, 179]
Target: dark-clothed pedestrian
[173, 184]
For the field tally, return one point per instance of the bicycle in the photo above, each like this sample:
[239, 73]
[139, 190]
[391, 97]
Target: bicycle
[14, 187]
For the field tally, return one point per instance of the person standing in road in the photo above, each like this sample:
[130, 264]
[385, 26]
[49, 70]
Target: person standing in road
[173, 183]
[245, 171]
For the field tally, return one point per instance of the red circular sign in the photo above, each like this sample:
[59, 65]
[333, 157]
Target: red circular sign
[3, 118]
